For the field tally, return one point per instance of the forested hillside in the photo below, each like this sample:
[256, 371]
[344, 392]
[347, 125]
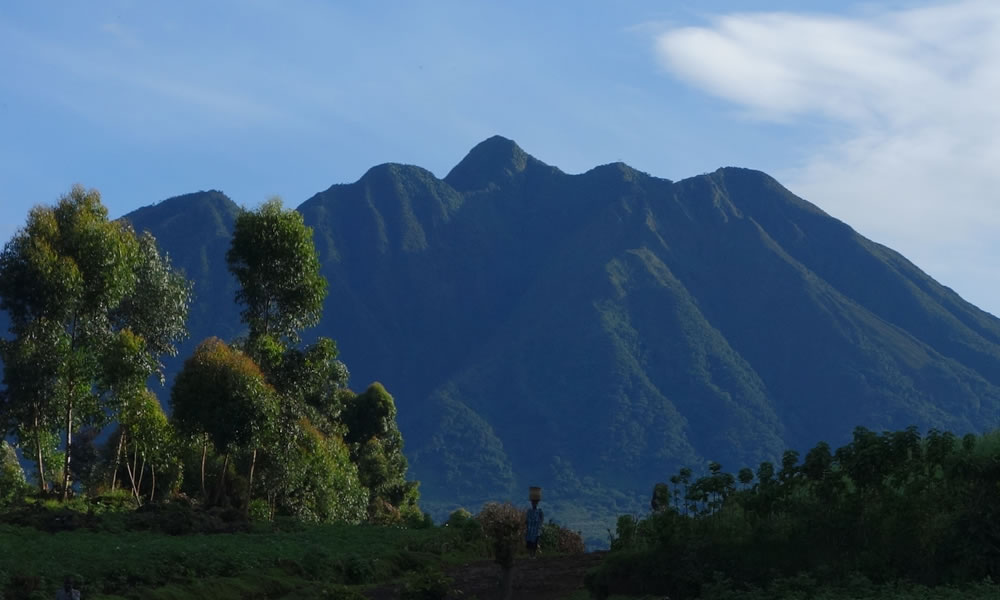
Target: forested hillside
[590, 333]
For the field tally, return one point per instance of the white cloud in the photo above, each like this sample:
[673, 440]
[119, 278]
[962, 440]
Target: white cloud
[915, 96]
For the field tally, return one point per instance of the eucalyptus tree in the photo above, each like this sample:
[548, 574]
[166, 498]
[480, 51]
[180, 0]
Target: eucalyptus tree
[144, 439]
[221, 394]
[149, 322]
[71, 281]
[274, 260]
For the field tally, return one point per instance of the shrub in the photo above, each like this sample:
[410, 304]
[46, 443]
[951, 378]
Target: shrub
[259, 510]
[503, 525]
[430, 584]
[12, 481]
[357, 570]
[418, 520]
[458, 518]
[561, 540]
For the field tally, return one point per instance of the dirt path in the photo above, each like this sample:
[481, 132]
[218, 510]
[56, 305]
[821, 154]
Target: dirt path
[542, 578]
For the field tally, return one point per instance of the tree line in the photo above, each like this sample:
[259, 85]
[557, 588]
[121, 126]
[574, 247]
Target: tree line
[885, 507]
[263, 423]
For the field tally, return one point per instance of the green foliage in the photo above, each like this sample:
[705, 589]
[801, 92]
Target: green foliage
[222, 393]
[558, 539]
[273, 258]
[459, 518]
[321, 483]
[12, 481]
[377, 448]
[886, 507]
[156, 311]
[92, 309]
[309, 471]
[310, 562]
[427, 585]
[856, 588]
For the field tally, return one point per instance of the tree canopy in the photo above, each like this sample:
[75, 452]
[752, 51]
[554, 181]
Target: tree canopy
[273, 257]
[80, 288]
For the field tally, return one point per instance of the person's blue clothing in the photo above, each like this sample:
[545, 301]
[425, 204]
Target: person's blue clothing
[533, 524]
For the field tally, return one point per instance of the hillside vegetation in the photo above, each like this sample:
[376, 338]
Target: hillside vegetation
[879, 517]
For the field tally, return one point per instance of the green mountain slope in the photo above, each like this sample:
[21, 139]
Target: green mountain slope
[591, 333]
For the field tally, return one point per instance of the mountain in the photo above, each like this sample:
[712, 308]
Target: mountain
[591, 333]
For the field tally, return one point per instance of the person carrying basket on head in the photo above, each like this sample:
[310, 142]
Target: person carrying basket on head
[533, 520]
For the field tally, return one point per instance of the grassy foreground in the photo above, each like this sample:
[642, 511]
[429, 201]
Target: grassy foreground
[316, 561]
[788, 590]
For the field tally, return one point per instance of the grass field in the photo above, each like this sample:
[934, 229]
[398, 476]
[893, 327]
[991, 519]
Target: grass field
[318, 561]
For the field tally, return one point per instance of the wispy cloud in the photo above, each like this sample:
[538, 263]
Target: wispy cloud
[122, 84]
[913, 96]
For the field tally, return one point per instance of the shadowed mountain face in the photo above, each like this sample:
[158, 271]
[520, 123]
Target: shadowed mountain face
[593, 332]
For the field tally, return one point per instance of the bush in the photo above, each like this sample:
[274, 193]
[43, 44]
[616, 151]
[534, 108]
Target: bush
[458, 518]
[503, 525]
[430, 584]
[259, 511]
[12, 482]
[561, 540]
[357, 570]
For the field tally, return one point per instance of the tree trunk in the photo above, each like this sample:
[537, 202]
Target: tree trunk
[69, 445]
[204, 453]
[132, 473]
[222, 480]
[131, 478]
[41, 463]
[253, 463]
[152, 473]
[118, 456]
[142, 471]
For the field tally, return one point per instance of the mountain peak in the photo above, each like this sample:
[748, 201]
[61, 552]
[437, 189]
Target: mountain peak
[394, 171]
[198, 209]
[493, 160]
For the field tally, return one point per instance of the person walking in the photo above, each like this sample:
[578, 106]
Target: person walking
[533, 520]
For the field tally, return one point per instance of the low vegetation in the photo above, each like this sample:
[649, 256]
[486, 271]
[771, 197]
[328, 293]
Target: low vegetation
[883, 509]
[174, 550]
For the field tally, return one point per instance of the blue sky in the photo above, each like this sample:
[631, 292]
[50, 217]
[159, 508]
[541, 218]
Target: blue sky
[885, 114]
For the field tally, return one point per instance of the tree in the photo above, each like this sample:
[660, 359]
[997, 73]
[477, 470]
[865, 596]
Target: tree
[273, 257]
[61, 274]
[72, 281]
[377, 448]
[145, 439]
[222, 394]
[156, 310]
[28, 403]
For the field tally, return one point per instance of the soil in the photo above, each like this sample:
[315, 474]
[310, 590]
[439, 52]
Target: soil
[541, 578]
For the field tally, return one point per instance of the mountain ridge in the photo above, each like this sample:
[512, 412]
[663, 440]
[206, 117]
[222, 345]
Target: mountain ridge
[593, 332]
[385, 236]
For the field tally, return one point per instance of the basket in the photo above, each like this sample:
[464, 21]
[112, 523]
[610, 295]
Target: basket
[534, 493]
